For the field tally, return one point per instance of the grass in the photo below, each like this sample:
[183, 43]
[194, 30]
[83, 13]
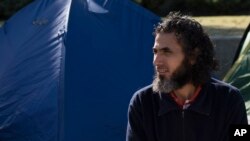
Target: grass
[224, 25]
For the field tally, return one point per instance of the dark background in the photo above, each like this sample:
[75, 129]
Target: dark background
[9, 7]
[198, 7]
[160, 7]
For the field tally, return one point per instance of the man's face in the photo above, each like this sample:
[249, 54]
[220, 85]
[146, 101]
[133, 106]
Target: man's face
[171, 68]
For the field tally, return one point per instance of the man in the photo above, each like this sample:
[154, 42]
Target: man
[184, 103]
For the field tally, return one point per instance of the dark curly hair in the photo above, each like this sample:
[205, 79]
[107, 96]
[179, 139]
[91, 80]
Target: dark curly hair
[195, 43]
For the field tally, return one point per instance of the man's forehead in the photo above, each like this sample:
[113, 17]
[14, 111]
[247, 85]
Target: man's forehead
[160, 45]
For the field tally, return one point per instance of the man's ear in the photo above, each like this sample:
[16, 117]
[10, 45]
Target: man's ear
[193, 57]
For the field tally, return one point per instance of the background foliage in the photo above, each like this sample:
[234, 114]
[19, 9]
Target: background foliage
[198, 7]
[9, 7]
[160, 7]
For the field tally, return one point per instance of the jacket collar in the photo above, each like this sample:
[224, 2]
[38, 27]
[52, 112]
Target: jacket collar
[201, 105]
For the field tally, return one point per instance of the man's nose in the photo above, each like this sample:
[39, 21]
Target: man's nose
[157, 59]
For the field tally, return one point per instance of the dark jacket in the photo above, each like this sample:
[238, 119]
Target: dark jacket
[157, 117]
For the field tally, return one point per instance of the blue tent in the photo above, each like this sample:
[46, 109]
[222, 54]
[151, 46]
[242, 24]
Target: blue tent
[69, 68]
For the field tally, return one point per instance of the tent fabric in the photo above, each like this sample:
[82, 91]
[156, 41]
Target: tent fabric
[31, 51]
[69, 68]
[239, 74]
[108, 57]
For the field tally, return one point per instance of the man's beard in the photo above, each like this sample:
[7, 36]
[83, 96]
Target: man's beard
[181, 76]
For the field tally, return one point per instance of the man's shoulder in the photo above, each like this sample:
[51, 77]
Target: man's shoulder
[143, 93]
[224, 88]
[144, 90]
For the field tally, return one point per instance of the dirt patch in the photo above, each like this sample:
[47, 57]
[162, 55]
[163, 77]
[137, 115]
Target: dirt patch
[224, 25]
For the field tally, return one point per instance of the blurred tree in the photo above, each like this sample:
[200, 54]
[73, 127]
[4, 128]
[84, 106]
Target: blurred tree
[197, 7]
[162, 7]
[9, 7]
[159, 7]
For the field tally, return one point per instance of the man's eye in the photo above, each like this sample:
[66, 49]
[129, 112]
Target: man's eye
[154, 51]
[166, 51]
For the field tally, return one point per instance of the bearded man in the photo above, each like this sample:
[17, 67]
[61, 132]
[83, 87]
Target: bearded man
[184, 103]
